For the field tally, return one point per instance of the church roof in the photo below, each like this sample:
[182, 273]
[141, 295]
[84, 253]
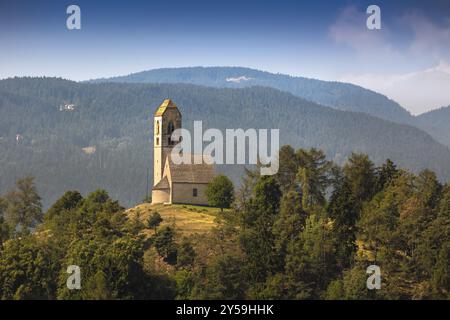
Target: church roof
[163, 184]
[191, 173]
[168, 103]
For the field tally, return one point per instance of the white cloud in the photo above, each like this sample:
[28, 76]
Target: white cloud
[350, 29]
[238, 79]
[380, 62]
[416, 91]
[429, 37]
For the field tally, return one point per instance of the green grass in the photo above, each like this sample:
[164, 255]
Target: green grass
[188, 219]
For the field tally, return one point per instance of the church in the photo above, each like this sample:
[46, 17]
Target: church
[175, 183]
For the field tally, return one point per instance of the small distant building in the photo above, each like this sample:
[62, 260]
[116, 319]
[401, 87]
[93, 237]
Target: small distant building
[67, 107]
[89, 150]
[175, 183]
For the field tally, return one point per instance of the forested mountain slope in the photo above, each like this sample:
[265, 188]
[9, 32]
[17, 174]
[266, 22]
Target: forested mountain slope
[338, 95]
[437, 123]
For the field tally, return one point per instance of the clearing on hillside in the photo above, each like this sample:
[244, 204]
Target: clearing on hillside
[188, 219]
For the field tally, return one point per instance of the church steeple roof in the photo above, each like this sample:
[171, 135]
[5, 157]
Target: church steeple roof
[168, 103]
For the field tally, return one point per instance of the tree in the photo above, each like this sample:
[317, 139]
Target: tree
[429, 188]
[397, 232]
[29, 269]
[225, 279]
[165, 244]
[4, 227]
[440, 279]
[246, 190]
[220, 192]
[444, 205]
[432, 253]
[352, 286]
[343, 209]
[97, 236]
[154, 221]
[256, 237]
[24, 208]
[313, 176]
[290, 222]
[4, 231]
[267, 195]
[385, 174]
[360, 173]
[97, 288]
[310, 260]
[186, 254]
[288, 167]
[69, 201]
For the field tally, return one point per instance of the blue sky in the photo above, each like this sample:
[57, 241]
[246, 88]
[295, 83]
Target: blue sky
[320, 39]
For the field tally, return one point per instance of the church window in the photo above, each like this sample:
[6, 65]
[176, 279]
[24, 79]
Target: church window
[170, 128]
[157, 127]
[157, 141]
[194, 192]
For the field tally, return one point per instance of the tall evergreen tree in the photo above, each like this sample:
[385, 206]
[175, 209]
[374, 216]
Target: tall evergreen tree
[385, 174]
[313, 176]
[24, 208]
[310, 260]
[288, 167]
[343, 209]
[256, 238]
[290, 222]
[165, 244]
[360, 173]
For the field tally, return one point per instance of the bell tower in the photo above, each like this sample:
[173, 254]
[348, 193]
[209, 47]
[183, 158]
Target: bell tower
[167, 118]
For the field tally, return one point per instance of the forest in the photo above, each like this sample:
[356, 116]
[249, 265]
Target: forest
[308, 232]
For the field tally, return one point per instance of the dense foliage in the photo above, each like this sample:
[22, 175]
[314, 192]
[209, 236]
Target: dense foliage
[92, 233]
[220, 192]
[308, 232]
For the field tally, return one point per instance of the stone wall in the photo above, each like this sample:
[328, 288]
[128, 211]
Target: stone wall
[161, 196]
[183, 193]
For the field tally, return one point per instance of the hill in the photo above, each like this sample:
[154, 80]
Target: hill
[86, 136]
[437, 123]
[338, 95]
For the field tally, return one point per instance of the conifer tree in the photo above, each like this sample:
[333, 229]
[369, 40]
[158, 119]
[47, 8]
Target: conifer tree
[23, 206]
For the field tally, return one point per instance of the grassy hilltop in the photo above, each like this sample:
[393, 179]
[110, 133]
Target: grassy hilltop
[188, 219]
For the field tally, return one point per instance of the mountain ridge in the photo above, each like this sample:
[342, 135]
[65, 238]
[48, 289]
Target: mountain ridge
[437, 123]
[338, 95]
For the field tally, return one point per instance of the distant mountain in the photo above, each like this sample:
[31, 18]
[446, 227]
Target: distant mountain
[86, 136]
[437, 123]
[338, 95]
